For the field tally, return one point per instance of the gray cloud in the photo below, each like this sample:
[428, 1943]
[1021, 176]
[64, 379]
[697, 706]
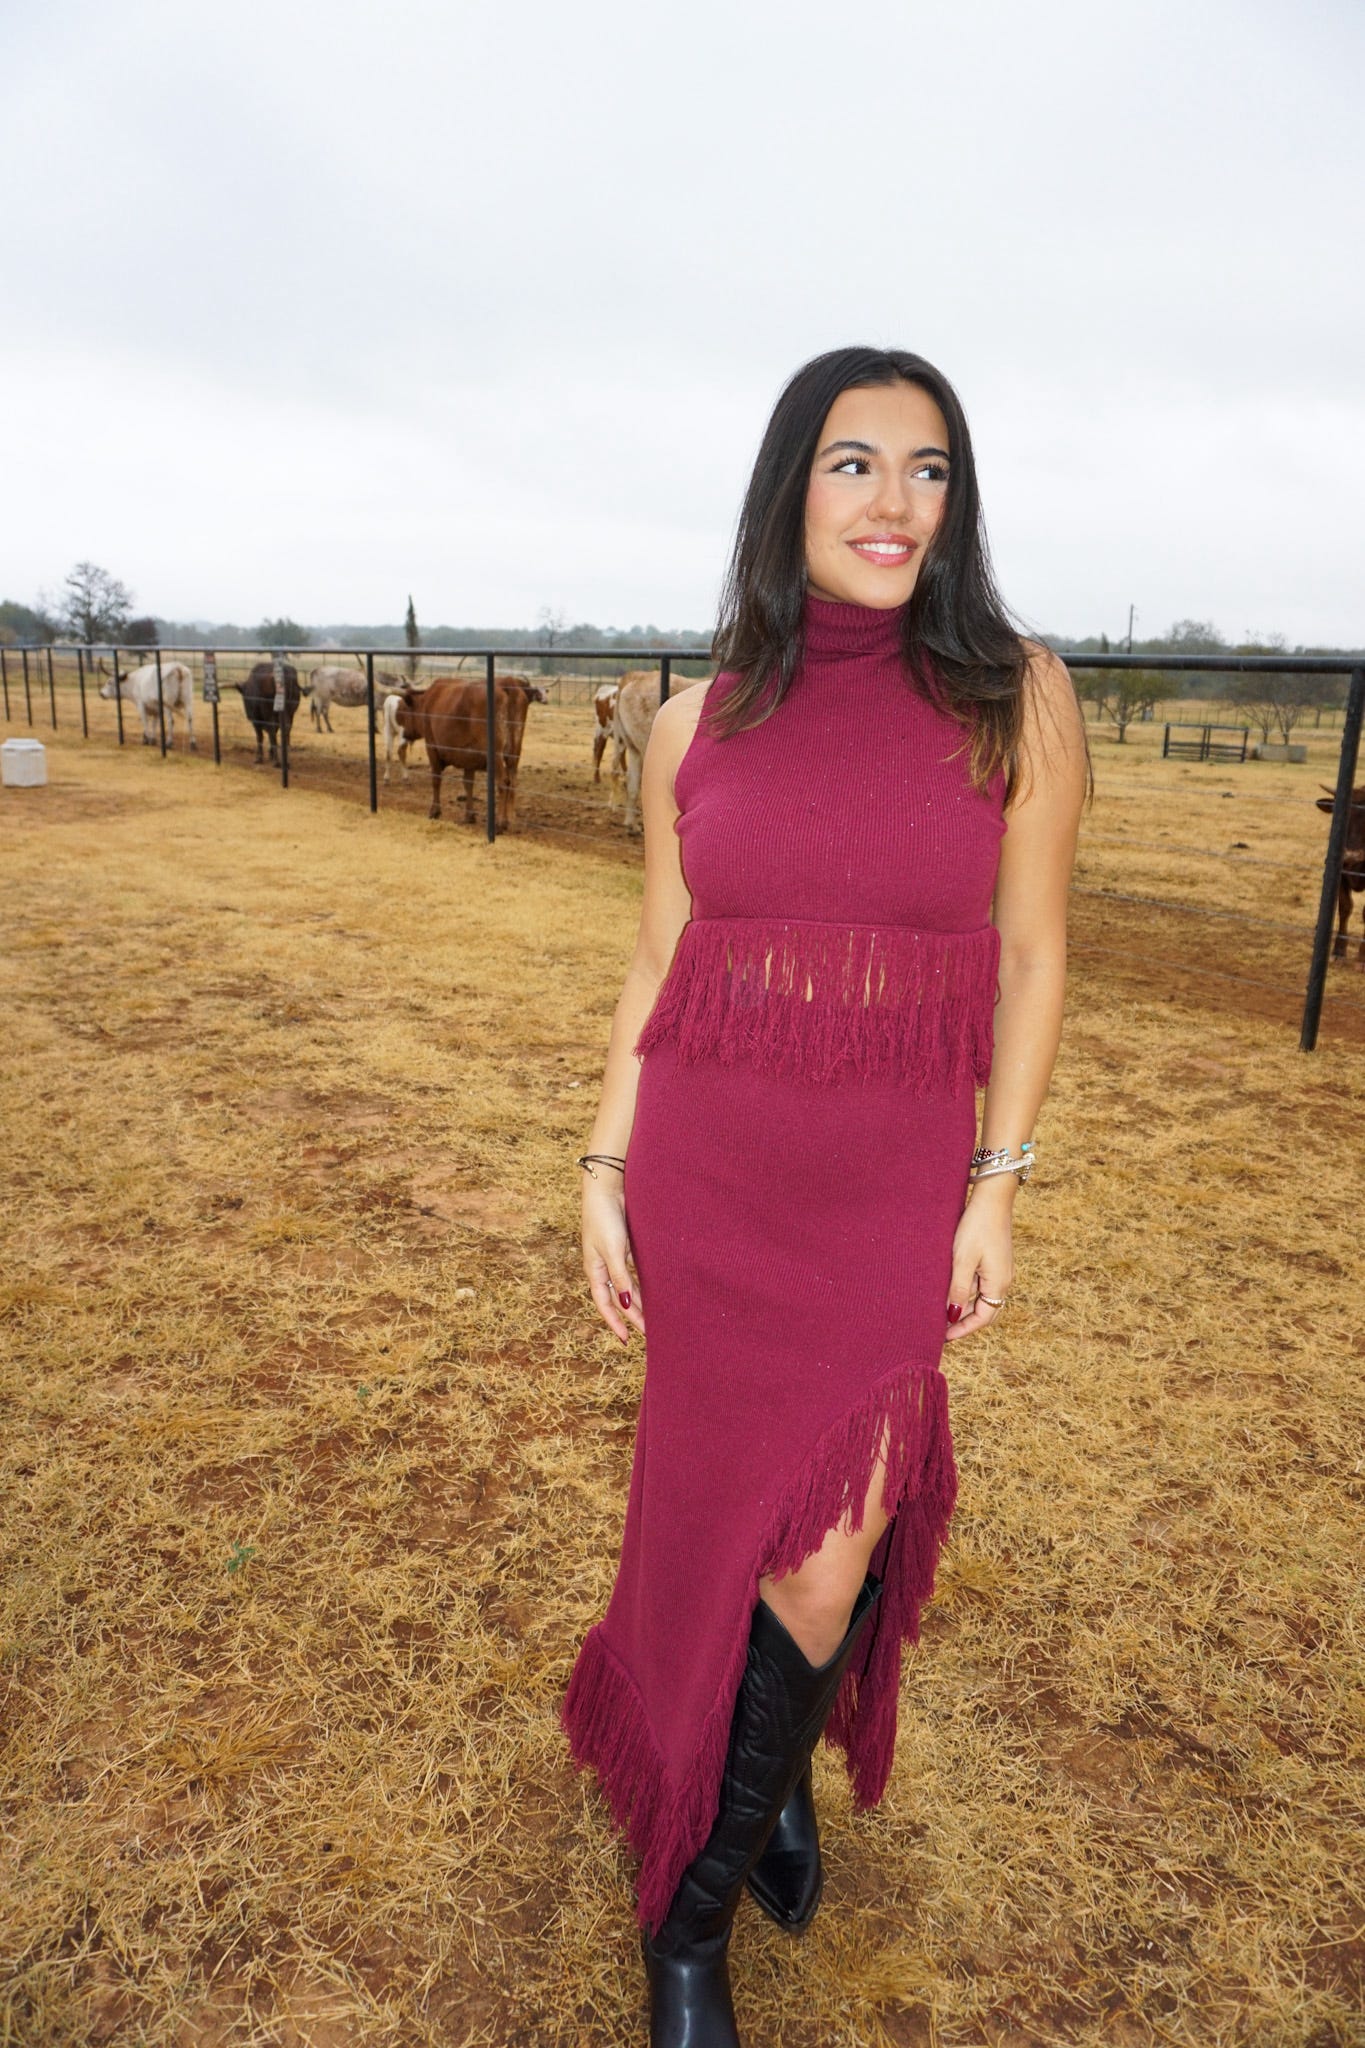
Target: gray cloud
[311, 306]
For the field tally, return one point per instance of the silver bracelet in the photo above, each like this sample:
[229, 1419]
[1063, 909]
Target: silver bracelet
[1003, 1166]
[986, 1164]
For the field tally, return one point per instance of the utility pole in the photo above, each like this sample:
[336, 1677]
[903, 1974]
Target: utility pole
[1132, 614]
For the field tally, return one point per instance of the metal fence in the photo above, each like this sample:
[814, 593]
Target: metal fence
[1204, 747]
[32, 669]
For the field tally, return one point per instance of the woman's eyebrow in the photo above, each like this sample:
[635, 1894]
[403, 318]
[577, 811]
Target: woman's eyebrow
[868, 448]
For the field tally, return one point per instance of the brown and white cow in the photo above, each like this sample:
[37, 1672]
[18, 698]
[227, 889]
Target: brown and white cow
[396, 738]
[603, 705]
[1352, 869]
[138, 686]
[637, 706]
[451, 716]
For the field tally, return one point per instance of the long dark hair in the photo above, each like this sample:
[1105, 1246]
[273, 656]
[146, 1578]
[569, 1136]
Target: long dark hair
[958, 639]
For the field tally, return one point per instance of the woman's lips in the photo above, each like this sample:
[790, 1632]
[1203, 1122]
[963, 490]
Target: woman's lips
[885, 551]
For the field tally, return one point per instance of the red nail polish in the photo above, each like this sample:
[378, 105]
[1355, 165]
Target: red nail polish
[954, 1312]
[624, 1297]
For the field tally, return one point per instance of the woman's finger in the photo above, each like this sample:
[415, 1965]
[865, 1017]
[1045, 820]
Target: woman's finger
[988, 1298]
[627, 1291]
[615, 1293]
[604, 1300]
[961, 1288]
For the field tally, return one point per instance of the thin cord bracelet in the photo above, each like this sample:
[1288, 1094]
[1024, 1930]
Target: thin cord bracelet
[590, 1162]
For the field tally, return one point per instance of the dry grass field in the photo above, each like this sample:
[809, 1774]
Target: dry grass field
[313, 1459]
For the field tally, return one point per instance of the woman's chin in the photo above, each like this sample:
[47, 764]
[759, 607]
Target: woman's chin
[877, 590]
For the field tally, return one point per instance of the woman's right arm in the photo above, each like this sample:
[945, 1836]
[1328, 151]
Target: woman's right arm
[665, 908]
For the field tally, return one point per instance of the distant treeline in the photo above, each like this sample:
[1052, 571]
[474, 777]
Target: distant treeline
[23, 625]
[610, 639]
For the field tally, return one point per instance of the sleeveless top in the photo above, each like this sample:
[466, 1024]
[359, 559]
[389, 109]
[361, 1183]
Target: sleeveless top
[841, 866]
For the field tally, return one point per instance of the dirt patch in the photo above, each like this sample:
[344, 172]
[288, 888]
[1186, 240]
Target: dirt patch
[314, 1464]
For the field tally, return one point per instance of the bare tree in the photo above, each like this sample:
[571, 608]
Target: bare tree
[552, 623]
[1274, 703]
[95, 605]
[1123, 694]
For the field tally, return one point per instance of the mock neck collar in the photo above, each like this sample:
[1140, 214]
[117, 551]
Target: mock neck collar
[833, 630]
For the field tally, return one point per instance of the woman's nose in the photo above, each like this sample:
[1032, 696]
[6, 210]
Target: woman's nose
[889, 501]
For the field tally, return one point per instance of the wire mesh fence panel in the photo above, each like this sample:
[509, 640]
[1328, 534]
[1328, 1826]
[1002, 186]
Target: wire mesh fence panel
[1193, 873]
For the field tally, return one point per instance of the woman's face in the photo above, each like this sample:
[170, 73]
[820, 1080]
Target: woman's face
[877, 490]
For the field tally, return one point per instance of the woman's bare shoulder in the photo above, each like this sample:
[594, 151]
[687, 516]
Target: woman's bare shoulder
[675, 722]
[1048, 675]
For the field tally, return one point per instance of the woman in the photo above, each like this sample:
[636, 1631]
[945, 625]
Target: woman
[858, 842]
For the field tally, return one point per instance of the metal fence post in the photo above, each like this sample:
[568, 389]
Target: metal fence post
[28, 693]
[491, 681]
[4, 678]
[160, 704]
[80, 676]
[1331, 867]
[210, 696]
[51, 687]
[118, 695]
[282, 717]
[665, 678]
[369, 713]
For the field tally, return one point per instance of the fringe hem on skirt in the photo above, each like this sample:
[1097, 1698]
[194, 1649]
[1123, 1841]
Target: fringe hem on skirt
[905, 1414]
[814, 1001]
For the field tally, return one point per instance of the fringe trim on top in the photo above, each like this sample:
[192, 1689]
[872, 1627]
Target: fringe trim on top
[906, 1415]
[809, 1000]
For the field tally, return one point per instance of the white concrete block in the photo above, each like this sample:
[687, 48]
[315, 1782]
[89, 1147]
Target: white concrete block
[23, 764]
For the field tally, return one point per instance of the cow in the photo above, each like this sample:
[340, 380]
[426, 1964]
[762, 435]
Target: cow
[451, 715]
[343, 686]
[603, 705]
[258, 702]
[395, 738]
[138, 687]
[637, 705]
[1352, 869]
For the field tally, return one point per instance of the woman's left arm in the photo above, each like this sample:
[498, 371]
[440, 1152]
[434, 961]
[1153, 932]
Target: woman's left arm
[1030, 914]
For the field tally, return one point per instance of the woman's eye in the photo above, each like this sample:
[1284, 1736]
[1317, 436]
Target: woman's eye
[936, 472]
[849, 463]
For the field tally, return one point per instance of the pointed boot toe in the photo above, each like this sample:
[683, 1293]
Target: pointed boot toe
[788, 1878]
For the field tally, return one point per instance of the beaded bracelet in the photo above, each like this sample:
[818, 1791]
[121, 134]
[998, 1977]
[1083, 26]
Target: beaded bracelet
[590, 1162]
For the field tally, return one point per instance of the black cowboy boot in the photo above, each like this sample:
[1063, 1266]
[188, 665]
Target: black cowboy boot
[781, 1706]
[788, 1878]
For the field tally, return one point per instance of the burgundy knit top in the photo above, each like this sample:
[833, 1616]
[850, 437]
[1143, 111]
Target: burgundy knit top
[842, 866]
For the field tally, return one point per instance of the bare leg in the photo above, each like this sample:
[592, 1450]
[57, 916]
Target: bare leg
[814, 1602]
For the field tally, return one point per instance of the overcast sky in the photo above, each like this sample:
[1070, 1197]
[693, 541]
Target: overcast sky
[308, 306]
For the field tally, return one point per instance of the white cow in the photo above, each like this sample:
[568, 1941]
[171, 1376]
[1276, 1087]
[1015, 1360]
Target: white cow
[138, 687]
[632, 721]
[343, 686]
[395, 739]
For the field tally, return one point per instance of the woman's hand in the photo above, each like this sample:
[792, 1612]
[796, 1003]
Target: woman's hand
[606, 1255]
[983, 1256]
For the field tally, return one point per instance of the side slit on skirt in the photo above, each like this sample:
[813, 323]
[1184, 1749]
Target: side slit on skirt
[605, 1720]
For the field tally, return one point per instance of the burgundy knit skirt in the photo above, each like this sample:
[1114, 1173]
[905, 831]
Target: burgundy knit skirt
[793, 1241]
